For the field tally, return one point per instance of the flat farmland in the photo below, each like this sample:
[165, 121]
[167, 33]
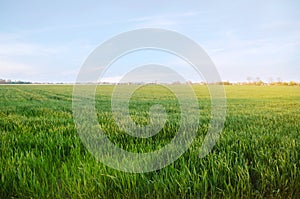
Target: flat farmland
[257, 155]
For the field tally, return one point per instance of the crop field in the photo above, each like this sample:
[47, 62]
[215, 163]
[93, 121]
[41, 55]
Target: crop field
[257, 155]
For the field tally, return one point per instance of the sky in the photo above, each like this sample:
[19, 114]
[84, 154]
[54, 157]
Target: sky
[48, 41]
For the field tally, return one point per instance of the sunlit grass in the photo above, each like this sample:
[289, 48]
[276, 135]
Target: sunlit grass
[258, 154]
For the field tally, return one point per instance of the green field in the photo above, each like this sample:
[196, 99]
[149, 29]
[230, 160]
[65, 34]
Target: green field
[257, 156]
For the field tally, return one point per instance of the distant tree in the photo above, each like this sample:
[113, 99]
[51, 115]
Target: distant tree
[278, 79]
[227, 83]
[257, 79]
[189, 82]
[176, 82]
[260, 83]
[292, 83]
[271, 80]
[249, 79]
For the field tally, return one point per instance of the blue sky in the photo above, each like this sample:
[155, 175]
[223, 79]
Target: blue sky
[48, 41]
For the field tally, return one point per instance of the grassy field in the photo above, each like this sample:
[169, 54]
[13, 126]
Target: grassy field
[257, 156]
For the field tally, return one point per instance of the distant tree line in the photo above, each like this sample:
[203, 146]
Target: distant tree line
[261, 83]
[3, 81]
[257, 82]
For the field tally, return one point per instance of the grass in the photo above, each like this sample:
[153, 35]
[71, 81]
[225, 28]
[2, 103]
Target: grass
[257, 156]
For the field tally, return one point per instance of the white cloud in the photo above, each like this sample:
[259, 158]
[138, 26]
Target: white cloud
[237, 58]
[27, 49]
[9, 68]
[112, 79]
[170, 20]
[22, 60]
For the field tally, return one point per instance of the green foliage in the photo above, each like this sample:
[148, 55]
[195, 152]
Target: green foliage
[257, 156]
